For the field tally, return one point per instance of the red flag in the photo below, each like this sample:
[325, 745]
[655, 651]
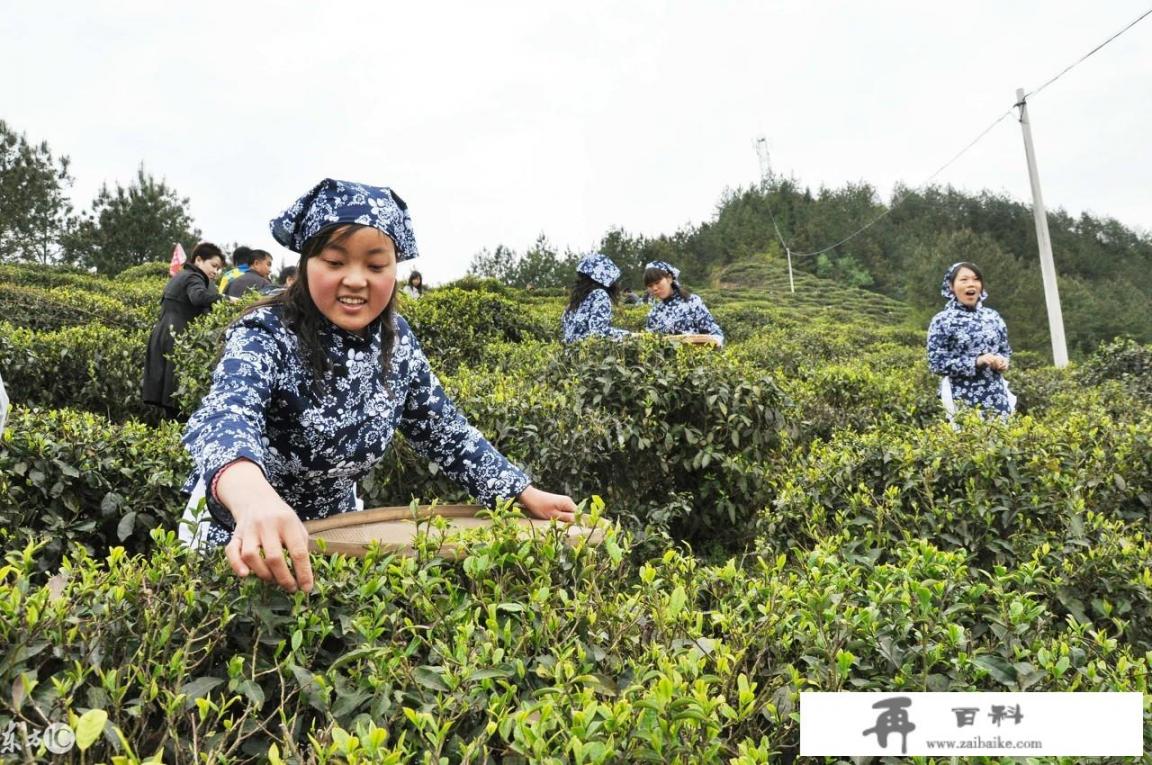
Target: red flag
[178, 258]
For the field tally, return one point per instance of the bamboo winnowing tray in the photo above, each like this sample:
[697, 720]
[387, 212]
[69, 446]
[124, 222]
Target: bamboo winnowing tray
[395, 529]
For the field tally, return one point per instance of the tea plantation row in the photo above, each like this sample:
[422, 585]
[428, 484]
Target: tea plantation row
[792, 514]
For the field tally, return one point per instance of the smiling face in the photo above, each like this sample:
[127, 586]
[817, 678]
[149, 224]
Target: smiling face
[967, 286]
[352, 279]
[661, 289]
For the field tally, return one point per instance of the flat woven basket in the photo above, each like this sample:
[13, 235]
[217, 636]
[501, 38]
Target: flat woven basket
[395, 529]
[704, 340]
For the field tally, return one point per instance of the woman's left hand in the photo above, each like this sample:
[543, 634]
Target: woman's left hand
[546, 506]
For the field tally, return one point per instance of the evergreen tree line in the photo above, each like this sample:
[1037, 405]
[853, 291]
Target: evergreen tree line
[124, 226]
[1101, 263]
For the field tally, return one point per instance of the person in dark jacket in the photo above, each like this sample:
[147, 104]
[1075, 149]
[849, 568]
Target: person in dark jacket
[255, 278]
[188, 294]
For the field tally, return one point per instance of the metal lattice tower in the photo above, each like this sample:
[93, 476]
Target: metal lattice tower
[765, 162]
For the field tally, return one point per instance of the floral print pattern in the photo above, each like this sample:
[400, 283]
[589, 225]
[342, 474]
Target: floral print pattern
[314, 439]
[682, 316]
[333, 202]
[593, 317]
[599, 268]
[957, 336]
[664, 265]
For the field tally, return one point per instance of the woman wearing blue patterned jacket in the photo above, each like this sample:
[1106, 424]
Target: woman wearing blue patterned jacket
[675, 312]
[589, 311]
[968, 345]
[313, 384]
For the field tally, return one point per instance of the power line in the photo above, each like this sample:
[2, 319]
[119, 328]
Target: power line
[897, 201]
[1080, 60]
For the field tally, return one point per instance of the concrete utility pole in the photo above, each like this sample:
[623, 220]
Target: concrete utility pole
[1047, 266]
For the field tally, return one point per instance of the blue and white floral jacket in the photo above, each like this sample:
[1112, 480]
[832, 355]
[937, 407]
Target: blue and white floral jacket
[591, 317]
[682, 316]
[313, 447]
[956, 337]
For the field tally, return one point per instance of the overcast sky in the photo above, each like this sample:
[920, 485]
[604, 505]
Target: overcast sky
[498, 121]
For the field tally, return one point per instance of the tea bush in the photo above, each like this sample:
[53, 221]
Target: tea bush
[1125, 361]
[862, 394]
[156, 270]
[35, 275]
[56, 307]
[74, 478]
[885, 551]
[990, 489]
[95, 368]
[674, 438]
[454, 326]
[527, 651]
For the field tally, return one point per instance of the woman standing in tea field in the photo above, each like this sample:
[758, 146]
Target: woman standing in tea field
[313, 384]
[188, 294]
[589, 311]
[675, 311]
[968, 345]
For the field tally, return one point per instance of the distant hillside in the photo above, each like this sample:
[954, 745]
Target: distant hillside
[766, 279]
[1102, 264]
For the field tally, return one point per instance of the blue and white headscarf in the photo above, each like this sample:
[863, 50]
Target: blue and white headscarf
[599, 268]
[333, 202]
[664, 265]
[946, 285]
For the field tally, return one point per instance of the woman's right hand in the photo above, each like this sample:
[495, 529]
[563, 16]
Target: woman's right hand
[992, 361]
[265, 527]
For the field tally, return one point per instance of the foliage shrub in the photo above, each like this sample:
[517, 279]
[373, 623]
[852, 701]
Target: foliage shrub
[1125, 361]
[35, 275]
[680, 421]
[794, 346]
[523, 652]
[56, 307]
[73, 477]
[195, 352]
[454, 326]
[861, 394]
[471, 283]
[1038, 388]
[742, 320]
[674, 438]
[990, 489]
[89, 367]
[155, 270]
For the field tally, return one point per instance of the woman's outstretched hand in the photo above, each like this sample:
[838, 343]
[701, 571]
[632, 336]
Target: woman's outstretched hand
[546, 506]
[265, 527]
